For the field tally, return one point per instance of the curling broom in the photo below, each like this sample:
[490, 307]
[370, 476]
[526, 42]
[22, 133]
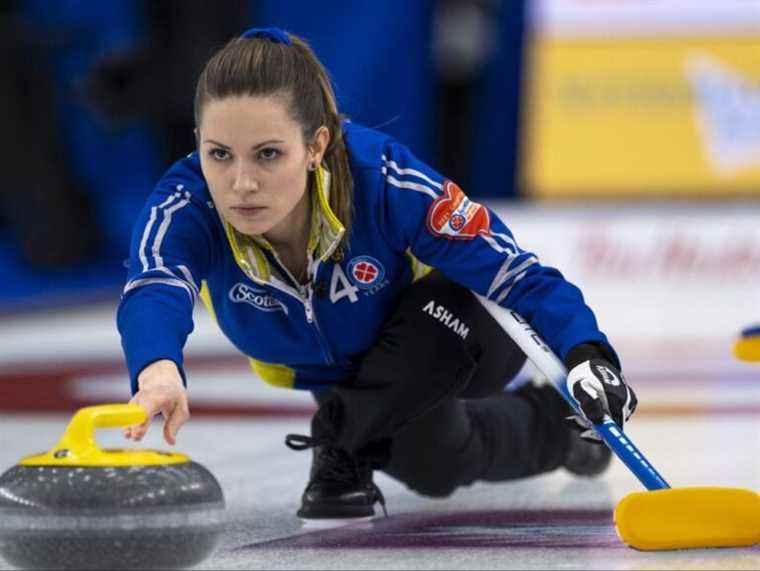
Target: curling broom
[660, 518]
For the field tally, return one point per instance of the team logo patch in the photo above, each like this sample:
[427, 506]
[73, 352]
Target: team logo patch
[454, 216]
[258, 298]
[365, 272]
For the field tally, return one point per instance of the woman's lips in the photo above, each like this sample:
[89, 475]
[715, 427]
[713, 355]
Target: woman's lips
[248, 210]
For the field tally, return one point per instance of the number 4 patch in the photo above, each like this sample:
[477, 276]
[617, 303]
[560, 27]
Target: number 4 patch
[341, 287]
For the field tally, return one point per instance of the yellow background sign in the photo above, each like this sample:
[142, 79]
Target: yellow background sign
[642, 116]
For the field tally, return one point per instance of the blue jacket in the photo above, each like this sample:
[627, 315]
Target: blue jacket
[408, 218]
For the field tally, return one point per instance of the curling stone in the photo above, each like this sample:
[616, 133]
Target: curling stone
[82, 507]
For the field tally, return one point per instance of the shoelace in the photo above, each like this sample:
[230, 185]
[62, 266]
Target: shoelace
[302, 442]
[339, 467]
[334, 465]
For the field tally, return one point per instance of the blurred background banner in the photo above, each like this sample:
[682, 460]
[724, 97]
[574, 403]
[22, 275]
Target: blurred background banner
[657, 275]
[595, 129]
[98, 103]
[639, 98]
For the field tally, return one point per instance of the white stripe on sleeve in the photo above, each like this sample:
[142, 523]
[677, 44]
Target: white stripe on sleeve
[505, 273]
[149, 227]
[394, 166]
[498, 247]
[134, 284]
[410, 185]
[505, 292]
[162, 229]
[508, 239]
[188, 276]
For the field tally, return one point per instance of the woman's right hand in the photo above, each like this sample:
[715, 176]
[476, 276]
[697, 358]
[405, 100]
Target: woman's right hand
[160, 391]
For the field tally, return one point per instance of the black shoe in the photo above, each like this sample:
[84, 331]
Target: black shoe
[340, 485]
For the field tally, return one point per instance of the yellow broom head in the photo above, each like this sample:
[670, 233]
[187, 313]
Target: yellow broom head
[683, 518]
[747, 347]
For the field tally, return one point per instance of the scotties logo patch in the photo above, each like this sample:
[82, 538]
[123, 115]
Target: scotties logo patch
[255, 297]
[365, 272]
[454, 216]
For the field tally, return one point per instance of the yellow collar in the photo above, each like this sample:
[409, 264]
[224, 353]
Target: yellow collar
[324, 235]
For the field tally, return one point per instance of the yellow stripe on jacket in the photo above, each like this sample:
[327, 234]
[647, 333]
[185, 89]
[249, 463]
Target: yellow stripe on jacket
[273, 374]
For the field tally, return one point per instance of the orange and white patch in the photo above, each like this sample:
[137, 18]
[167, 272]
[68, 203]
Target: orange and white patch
[455, 217]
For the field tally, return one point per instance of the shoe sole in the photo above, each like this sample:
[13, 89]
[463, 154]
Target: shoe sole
[330, 523]
[336, 512]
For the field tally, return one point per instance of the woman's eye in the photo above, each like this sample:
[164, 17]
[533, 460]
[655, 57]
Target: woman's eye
[219, 154]
[269, 154]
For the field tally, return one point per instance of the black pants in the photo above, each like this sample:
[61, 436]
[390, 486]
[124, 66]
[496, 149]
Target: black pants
[430, 395]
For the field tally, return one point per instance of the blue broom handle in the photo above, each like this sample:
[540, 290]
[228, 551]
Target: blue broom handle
[547, 362]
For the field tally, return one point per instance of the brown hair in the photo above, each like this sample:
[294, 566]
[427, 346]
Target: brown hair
[259, 66]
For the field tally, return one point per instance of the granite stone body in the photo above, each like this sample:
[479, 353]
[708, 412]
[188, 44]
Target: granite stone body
[137, 517]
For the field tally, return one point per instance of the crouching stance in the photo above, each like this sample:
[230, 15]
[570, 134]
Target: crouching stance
[428, 406]
[341, 264]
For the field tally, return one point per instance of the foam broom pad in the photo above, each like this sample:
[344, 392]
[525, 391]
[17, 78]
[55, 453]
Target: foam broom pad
[683, 518]
[747, 347]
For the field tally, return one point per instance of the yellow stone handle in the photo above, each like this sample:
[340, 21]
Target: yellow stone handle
[79, 437]
[77, 446]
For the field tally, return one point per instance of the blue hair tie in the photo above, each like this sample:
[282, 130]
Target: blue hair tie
[277, 35]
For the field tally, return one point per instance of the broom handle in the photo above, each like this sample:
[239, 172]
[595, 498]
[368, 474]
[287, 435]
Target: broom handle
[547, 362]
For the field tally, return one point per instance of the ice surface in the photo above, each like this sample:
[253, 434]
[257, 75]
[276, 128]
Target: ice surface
[550, 522]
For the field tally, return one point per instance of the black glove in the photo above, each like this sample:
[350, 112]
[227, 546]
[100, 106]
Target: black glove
[599, 388]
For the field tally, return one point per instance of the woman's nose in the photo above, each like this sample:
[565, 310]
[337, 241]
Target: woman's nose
[245, 181]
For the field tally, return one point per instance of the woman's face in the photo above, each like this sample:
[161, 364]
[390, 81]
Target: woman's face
[255, 162]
